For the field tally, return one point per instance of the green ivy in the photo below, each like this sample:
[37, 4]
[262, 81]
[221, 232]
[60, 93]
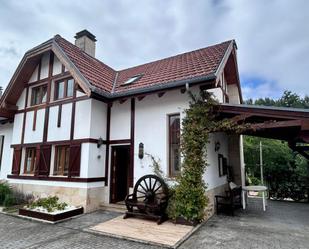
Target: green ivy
[200, 119]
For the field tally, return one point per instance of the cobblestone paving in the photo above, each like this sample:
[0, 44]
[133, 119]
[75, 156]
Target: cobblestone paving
[284, 225]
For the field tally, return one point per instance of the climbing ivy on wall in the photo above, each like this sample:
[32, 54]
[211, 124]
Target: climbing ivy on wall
[189, 200]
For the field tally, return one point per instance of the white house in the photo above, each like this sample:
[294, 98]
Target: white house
[72, 126]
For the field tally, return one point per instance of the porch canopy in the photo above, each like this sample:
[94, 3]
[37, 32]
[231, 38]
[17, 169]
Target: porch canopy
[288, 124]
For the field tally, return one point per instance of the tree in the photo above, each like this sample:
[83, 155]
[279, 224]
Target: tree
[288, 99]
[285, 171]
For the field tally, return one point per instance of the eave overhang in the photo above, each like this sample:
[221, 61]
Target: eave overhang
[289, 124]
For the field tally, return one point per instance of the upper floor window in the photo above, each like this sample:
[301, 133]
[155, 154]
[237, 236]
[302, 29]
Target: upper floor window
[64, 88]
[30, 161]
[174, 144]
[38, 95]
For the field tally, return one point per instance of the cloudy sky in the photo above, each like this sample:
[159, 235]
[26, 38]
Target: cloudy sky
[272, 35]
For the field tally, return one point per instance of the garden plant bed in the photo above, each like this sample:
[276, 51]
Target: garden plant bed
[52, 217]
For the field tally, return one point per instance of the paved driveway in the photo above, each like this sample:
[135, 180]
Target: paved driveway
[284, 225]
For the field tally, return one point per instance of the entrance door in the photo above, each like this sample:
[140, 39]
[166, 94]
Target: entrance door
[120, 173]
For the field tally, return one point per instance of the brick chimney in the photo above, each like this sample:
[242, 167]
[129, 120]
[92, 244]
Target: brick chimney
[86, 42]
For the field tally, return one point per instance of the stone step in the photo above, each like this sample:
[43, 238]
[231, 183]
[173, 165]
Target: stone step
[113, 207]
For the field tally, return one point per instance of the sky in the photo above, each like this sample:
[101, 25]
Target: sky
[272, 35]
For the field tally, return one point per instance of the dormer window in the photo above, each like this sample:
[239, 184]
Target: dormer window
[64, 89]
[132, 79]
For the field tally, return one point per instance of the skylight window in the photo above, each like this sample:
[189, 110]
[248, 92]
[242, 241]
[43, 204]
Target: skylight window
[132, 79]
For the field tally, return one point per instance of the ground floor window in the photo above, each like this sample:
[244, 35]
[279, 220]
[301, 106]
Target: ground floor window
[62, 160]
[30, 161]
[174, 144]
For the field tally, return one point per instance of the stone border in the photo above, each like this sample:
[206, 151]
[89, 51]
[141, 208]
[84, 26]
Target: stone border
[16, 215]
[50, 217]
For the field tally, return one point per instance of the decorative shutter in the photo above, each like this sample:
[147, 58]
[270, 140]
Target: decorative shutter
[16, 161]
[43, 159]
[74, 162]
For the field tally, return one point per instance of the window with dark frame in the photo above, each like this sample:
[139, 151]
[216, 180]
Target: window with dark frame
[64, 88]
[222, 165]
[30, 161]
[174, 144]
[62, 157]
[38, 94]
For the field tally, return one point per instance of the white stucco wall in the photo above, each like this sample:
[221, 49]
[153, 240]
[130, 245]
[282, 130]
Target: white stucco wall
[233, 94]
[17, 128]
[6, 163]
[36, 135]
[92, 160]
[217, 94]
[57, 66]
[44, 65]
[63, 132]
[82, 119]
[90, 119]
[151, 128]
[120, 120]
[34, 76]
[211, 176]
[21, 101]
[98, 119]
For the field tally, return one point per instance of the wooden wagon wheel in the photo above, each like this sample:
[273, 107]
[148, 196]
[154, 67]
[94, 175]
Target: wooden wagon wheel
[149, 188]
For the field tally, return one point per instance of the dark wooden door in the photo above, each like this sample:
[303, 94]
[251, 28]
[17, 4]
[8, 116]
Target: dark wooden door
[120, 173]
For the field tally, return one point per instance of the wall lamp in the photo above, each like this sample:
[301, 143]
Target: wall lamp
[100, 142]
[141, 151]
[217, 146]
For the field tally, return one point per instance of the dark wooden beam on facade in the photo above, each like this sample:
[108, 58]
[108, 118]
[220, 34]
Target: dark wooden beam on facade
[121, 101]
[108, 127]
[6, 113]
[160, 94]
[182, 90]
[241, 117]
[9, 107]
[132, 136]
[139, 98]
[276, 124]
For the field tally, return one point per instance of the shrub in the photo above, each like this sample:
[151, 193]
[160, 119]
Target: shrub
[199, 121]
[9, 200]
[4, 191]
[50, 204]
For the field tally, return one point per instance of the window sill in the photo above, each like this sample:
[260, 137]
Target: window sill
[58, 176]
[37, 105]
[62, 99]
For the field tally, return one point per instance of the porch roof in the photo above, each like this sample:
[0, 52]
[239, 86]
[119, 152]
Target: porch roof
[289, 124]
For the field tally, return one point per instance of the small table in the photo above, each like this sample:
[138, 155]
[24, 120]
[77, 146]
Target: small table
[253, 188]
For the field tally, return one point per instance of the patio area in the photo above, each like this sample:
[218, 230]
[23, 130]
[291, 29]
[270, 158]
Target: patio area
[283, 225]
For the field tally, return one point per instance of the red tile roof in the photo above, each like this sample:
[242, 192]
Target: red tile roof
[199, 63]
[96, 72]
